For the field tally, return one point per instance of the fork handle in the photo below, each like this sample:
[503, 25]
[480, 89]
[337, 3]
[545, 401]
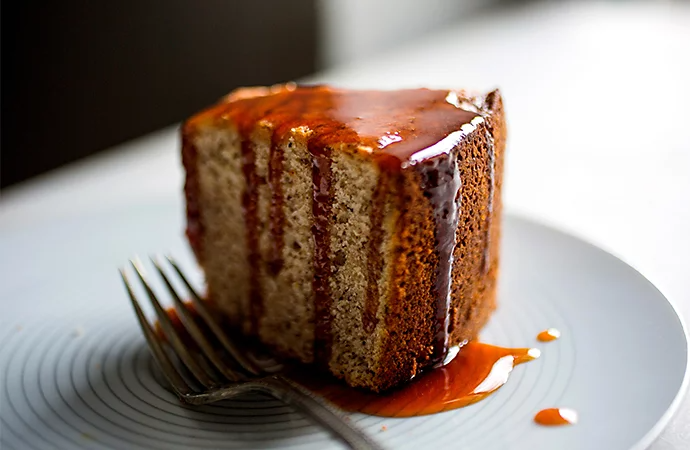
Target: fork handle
[318, 410]
[312, 406]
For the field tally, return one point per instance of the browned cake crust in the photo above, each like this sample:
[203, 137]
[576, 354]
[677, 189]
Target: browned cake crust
[409, 346]
[357, 238]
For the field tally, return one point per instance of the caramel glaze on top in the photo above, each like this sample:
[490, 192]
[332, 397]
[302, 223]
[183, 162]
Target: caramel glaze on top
[398, 129]
[394, 125]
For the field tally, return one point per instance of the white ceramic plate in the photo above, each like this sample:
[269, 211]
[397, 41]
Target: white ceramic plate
[76, 373]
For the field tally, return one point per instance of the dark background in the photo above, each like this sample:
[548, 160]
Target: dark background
[81, 76]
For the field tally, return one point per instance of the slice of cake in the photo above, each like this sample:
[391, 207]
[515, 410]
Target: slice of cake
[358, 230]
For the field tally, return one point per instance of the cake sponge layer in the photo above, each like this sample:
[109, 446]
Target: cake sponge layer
[366, 249]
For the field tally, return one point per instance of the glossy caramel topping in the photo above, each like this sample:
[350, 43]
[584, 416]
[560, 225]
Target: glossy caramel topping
[556, 417]
[548, 335]
[441, 184]
[399, 123]
[475, 372]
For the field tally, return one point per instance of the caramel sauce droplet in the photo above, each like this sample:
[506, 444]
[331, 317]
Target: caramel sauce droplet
[548, 335]
[556, 417]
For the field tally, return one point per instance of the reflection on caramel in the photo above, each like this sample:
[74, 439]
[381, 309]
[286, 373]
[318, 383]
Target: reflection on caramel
[477, 371]
[556, 416]
[548, 335]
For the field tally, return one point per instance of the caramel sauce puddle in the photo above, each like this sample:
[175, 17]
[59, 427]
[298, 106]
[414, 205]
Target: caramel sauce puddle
[477, 371]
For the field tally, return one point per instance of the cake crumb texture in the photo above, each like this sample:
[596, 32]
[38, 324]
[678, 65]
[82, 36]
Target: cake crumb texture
[324, 245]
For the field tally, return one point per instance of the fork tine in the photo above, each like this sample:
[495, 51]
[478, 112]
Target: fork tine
[172, 335]
[231, 348]
[159, 355]
[193, 328]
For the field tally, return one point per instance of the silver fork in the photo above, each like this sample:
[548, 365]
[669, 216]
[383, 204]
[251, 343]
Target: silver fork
[219, 378]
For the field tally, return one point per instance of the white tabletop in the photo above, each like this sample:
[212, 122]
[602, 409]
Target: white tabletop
[597, 101]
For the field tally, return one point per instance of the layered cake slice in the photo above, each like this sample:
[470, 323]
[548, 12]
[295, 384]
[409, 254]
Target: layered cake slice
[357, 230]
